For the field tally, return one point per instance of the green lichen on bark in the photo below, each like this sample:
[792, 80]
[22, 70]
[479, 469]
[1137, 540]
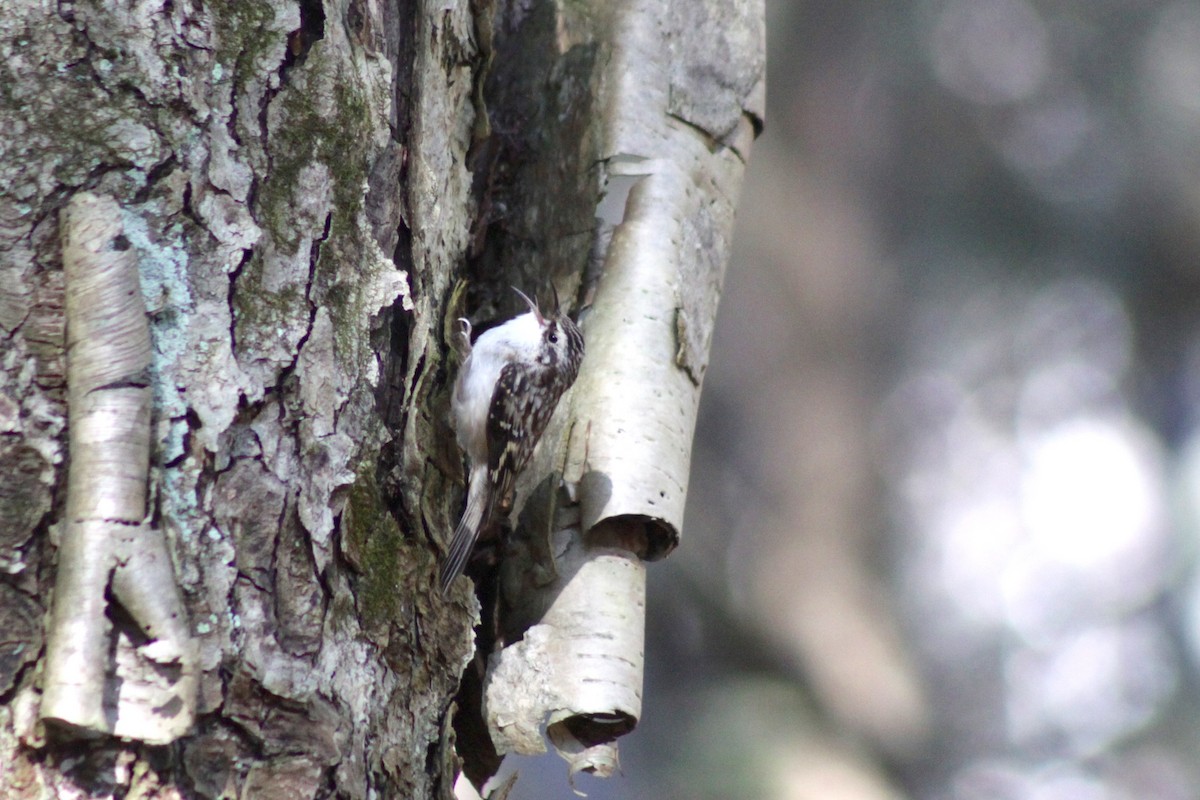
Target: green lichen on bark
[323, 117]
[244, 35]
[311, 204]
[61, 124]
[374, 544]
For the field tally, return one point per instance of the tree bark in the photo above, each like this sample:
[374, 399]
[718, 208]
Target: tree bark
[250, 610]
[282, 176]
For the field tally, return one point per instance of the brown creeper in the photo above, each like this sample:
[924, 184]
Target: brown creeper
[506, 390]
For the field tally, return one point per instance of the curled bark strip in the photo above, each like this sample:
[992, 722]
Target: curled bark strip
[654, 304]
[143, 688]
[579, 670]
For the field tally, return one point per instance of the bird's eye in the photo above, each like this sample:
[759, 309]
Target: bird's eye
[553, 337]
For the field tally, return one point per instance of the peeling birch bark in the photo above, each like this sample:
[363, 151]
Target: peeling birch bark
[139, 691]
[578, 671]
[655, 303]
[678, 95]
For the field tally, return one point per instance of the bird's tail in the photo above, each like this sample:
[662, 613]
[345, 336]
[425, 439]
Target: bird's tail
[479, 503]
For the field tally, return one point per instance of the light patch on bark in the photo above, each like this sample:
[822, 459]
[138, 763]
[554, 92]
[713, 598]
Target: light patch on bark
[143, 690]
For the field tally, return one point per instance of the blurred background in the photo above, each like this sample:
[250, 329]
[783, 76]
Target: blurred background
[941, 532]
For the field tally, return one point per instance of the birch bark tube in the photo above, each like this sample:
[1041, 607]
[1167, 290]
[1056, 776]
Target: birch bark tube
[108, 353]
[98, 679]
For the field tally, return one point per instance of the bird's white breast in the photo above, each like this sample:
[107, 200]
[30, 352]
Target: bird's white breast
[515, 340]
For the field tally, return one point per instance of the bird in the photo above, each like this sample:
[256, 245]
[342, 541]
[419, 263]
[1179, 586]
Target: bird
[504, 395]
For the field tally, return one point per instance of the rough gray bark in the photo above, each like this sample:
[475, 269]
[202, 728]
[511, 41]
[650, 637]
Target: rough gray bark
[299, 184]
[284, 174]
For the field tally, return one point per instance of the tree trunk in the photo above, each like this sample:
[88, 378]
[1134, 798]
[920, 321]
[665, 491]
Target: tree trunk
[281, 176]
[229, 236]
